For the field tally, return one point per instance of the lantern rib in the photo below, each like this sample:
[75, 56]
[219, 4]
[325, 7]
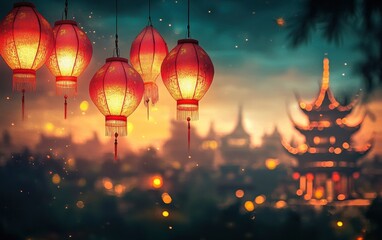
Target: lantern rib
[139, 50]
[124, 97]
[197, 76]
[39, 39]
[176, 70]
[78, 48]
[103, 88]
[152, 62]
[55, 50]
[13, 36]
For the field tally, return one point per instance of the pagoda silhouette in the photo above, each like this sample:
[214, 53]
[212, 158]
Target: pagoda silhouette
[327, 161]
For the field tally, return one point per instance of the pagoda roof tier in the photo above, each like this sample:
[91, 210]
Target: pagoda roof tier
[305, 153]
[325, 101]
[328, 170]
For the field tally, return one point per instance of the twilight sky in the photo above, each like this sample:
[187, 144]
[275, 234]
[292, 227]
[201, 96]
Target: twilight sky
[254, 66]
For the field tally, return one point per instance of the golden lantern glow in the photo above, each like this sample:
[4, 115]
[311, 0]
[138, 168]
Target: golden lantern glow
[70, 56]
[187, 72]
[316, 140]
[116, 89]
[26, 40]
[332, 140]
[345, 145]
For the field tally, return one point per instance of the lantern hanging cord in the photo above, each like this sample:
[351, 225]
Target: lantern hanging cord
[23, 105]
[188, 19]
[188, 134]
[66, 9]
[65, 106]
[150, 23]
[115, 146]
[116, 29]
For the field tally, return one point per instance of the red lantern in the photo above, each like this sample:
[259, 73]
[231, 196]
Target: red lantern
[26, 40]
[187, 72]
[69, 58]
[146, 55]
[116, 89]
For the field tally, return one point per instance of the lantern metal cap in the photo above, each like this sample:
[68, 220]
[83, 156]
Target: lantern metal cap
[60, 22]
[119, 59]
[188, 40]
[24, 4]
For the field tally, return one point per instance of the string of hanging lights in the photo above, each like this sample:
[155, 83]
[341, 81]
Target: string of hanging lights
[116, 89]
[71, 55]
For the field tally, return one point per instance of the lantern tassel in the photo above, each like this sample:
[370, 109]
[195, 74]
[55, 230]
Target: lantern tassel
[116, 147]
[189, 136]
[23, 105]
[148, 108]
[65, 106]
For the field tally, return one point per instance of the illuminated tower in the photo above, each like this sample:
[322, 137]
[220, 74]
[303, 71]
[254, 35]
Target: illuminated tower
[327, 161]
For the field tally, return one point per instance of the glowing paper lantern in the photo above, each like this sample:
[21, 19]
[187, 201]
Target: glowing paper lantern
[187, 72]
[70, 56]
[26, 40]
[146, 55]
[116, 89]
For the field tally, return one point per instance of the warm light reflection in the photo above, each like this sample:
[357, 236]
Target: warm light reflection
[341, 197]
[56, 179]
[49, 127]
[296, 176]
[299, 192]
[340, 224]
[119, 189]
[280, 204]
[239, 193]
[260, 199]
[249, 206]
[80, 204]
[107, 183]
[319, 193]
[166, 198]
[157, 182]
[165, 214]
[84, 106]
[271, 163]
